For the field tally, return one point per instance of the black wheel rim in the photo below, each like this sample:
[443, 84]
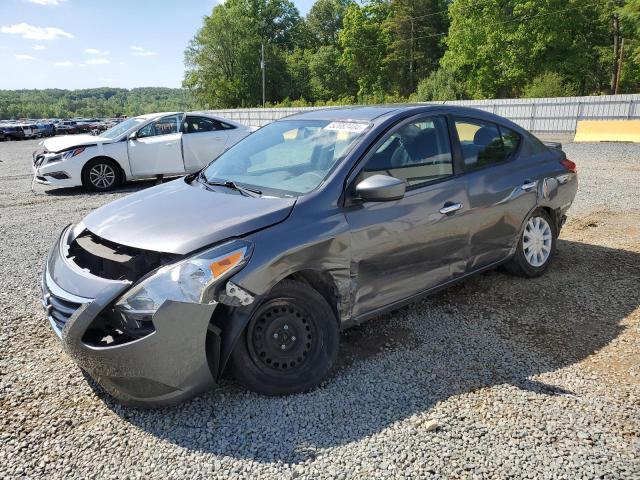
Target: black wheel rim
[282, 337]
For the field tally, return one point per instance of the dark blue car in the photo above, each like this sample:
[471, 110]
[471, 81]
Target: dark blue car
[45, 129]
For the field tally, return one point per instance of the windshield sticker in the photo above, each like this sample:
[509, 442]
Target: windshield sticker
[346, 126]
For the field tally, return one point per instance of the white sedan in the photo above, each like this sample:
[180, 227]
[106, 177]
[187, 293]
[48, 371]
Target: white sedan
[169, 143]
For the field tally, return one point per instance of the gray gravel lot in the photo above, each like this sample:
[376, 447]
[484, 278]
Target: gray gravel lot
[497, 377]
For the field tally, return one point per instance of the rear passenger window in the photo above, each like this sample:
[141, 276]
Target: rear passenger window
[481, 143]
[510, 141]
[418, 152]
[199, 125]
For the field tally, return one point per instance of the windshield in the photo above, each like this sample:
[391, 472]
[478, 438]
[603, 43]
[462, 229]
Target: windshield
[115, 132]
[290, 155]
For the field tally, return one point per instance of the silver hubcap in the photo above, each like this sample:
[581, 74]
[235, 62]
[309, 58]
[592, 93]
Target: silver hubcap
[536, 241]
[102, 175]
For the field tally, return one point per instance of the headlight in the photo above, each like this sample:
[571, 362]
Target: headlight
[52, 159]
[189, 280]
[73, 152]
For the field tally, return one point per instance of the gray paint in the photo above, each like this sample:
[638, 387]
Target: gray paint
[378, 255]
[381, 188]
[180, 218]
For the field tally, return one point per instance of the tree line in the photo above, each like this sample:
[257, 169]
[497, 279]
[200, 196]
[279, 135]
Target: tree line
[93, 102]
[396, 50]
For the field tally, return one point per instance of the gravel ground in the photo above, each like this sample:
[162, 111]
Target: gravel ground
[497, 377]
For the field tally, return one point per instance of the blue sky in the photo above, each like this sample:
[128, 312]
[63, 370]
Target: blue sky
[92, 43]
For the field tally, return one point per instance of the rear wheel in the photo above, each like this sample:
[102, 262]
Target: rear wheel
[101, 174]
[536, 246]
[290, 343]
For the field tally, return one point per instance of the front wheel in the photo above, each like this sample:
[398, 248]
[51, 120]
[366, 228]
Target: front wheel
[290, 343]
[101, 174]
[536, 246]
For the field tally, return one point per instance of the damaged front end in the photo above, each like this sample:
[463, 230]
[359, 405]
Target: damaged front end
[141, 323]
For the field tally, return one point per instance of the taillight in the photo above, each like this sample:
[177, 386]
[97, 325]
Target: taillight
[569, 165]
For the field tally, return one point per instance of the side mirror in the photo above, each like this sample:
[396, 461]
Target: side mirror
[133, 135]
[381, 188]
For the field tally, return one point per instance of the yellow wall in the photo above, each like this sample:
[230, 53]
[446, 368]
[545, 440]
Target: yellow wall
[608, 131]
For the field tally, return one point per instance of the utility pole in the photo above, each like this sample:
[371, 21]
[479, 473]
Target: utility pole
[262, 68]
[616, 52]
[619, 67]
[411, 57]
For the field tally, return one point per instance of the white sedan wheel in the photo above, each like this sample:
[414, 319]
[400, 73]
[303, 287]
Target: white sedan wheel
[537, 241]
[102, 176]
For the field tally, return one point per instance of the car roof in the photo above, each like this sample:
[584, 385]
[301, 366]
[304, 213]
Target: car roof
[148, 116]
[366, 113]
[373, 112]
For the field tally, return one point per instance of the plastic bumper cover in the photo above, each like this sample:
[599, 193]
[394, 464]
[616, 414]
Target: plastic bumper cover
[44, 178]
[162, 368]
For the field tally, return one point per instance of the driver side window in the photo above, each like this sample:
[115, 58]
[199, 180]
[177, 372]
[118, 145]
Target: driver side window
[164, 126]
[418, 152]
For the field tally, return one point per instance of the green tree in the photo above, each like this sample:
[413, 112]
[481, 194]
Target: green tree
[324, 20]
[440, 85]
[416, 30]
[223, 59]
[497, 46]
[329, 80]
[629, 14]
[364, 42]
[548, 84]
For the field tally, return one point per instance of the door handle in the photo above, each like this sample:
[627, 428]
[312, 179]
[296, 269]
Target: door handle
[168, 144]
[527, 185]
[450, 208]
[218, 138]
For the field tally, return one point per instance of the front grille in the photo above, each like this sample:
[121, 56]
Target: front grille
[58, 304]
[106, 259]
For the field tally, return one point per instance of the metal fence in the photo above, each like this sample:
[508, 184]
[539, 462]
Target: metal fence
[542, 115]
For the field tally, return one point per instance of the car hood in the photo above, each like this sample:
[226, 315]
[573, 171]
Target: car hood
[63, 142]
[178, 217]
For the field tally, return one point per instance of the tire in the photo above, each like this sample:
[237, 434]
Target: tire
[536, 246]
[290, 343]
[101, 174]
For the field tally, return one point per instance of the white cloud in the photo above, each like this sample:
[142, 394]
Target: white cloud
[95, 51]
[65, 63]
[22, 57]
[35, 33]
[47, 2]
[142, 52]
[97, 61]
[39, 47]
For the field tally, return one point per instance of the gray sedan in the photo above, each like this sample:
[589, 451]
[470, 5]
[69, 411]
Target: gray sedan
[314, 223]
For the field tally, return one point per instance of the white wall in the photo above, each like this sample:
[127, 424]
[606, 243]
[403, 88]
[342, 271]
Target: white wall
[552, 115]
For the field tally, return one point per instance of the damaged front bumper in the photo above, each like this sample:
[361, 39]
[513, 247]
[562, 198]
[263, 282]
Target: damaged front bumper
[173, 362]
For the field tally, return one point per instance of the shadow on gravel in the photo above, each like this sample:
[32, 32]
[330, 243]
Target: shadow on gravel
[124, 188]
[491, 330]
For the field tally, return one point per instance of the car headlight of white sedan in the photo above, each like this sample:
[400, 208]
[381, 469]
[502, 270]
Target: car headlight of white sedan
[64, 155]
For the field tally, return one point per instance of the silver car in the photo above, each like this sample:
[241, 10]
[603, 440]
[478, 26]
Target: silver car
[312, 224]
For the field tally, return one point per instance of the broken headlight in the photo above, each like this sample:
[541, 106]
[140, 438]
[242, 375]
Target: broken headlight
[188, 280]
